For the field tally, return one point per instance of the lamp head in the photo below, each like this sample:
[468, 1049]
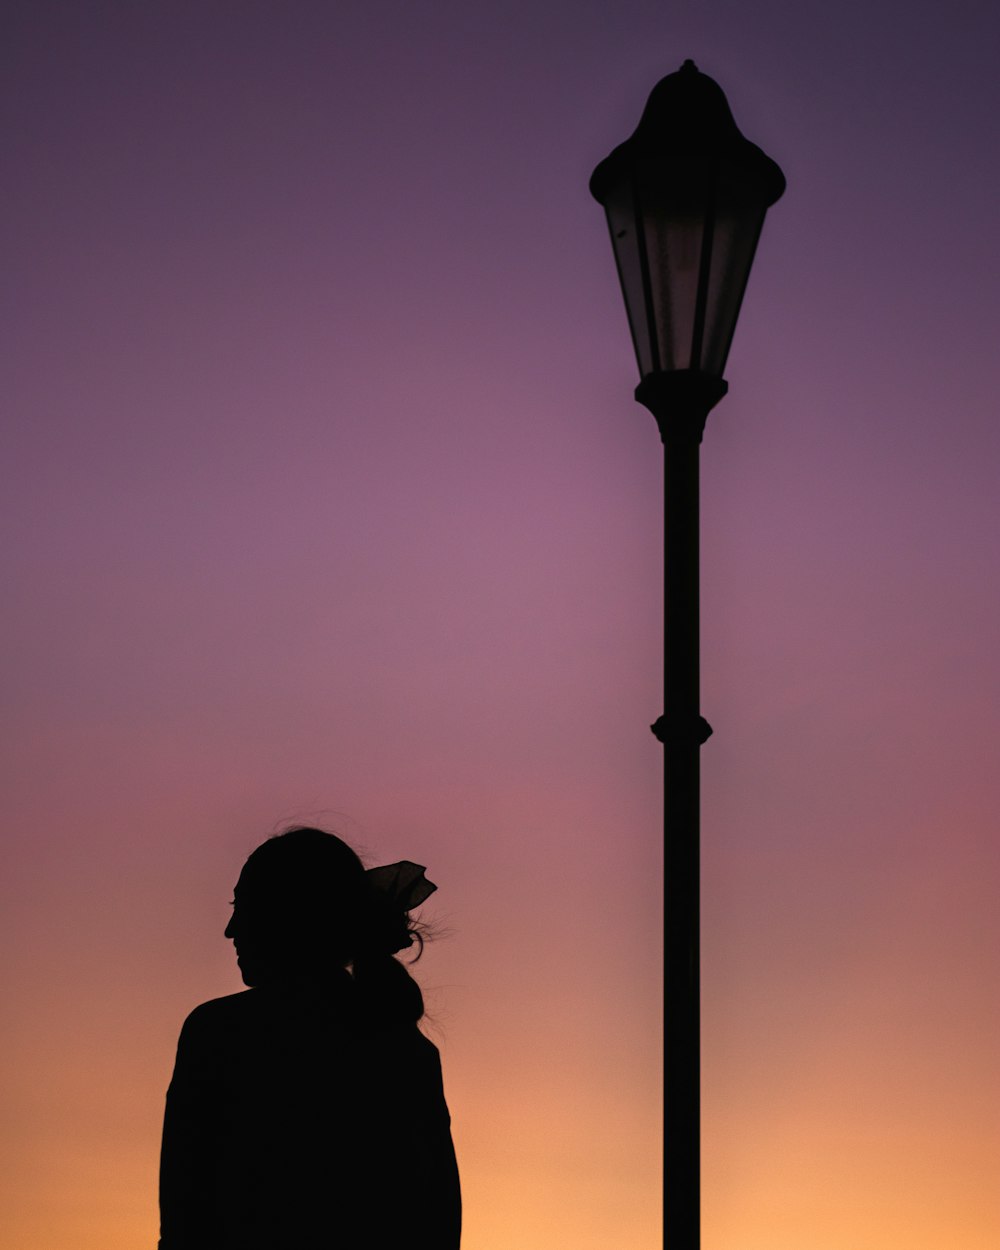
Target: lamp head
[685, 198]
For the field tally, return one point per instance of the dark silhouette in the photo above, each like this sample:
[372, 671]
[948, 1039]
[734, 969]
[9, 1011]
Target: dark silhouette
[307, 1112]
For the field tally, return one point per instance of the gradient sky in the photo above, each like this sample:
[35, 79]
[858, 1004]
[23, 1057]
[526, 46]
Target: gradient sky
[326, 499]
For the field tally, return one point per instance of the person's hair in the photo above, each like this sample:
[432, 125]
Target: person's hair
[315, 887]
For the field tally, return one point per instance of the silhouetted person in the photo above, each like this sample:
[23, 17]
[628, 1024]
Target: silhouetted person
[307, 1112]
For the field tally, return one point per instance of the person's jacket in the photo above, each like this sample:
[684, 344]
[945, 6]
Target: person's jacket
[292, 1120]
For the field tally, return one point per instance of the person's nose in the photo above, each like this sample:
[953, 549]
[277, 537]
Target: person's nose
[231, 929]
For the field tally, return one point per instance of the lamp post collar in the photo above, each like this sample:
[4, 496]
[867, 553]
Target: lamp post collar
[680, 400]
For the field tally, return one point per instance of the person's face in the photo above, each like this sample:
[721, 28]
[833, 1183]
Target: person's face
[274, 929]
[255, 931]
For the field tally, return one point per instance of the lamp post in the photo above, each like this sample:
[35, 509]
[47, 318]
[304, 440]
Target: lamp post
[685, 199]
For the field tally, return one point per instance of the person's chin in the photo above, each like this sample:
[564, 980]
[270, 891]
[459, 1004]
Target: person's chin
[250, 974]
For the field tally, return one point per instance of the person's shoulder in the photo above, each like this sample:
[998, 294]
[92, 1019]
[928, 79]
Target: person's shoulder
[209, 1029]
[218, 1013]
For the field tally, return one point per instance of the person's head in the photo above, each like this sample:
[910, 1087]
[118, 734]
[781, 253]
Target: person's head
[303, 908]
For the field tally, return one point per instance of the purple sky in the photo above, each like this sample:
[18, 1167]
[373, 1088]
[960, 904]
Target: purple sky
[326, 498]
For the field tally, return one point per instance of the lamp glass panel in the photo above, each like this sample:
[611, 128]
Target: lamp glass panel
[674, 240]
[659, 244]
[629, 257]
[734, 241]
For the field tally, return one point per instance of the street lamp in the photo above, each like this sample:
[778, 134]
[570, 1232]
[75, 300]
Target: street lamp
[685, 199]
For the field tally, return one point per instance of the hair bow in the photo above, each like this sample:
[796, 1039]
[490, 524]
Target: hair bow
[403, 883]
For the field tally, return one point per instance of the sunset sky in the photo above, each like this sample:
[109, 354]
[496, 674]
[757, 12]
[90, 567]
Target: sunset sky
[326, 499]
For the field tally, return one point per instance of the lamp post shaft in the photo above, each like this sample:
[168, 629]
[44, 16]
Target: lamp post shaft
[681, 781]
[680, 401]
